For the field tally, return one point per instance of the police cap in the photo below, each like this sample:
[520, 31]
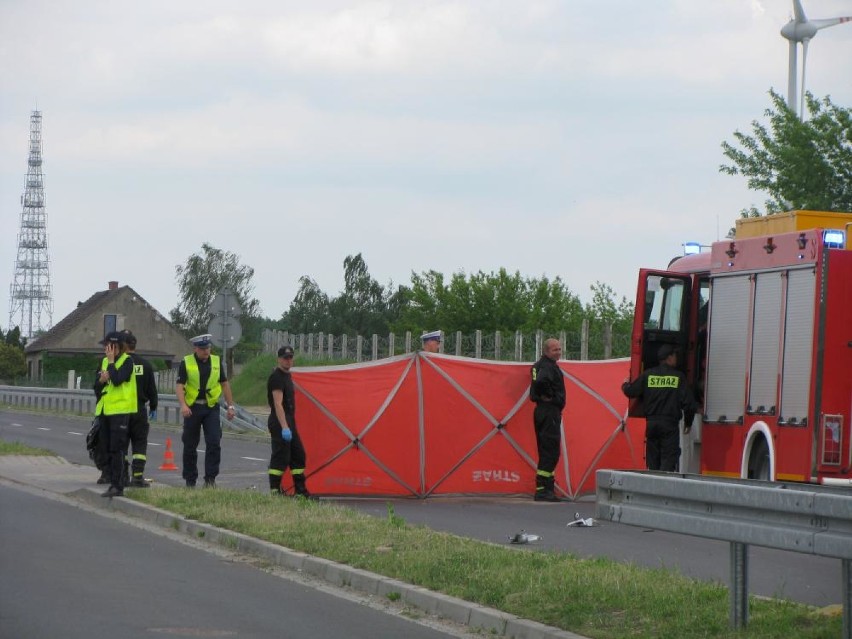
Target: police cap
[202, 341]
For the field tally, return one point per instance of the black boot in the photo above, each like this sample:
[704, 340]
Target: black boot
[104, 478]
[544, 489]
[113, 491]
[300, 488]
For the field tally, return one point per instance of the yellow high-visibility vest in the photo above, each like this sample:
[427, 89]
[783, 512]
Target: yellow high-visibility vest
[193, 381]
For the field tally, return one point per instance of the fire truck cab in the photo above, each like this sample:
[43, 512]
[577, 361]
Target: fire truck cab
[763, 326]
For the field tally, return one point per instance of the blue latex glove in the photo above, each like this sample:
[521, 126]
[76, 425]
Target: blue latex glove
[153, 414]
[286, 434]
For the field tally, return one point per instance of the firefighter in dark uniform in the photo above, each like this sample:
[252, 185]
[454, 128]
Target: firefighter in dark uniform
[547, 390]
[287, 447]
[201, 381]
[666, 396]
[146, 393]
[117, 391]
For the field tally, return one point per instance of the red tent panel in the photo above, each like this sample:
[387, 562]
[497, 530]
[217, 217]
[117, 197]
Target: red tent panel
[458, 426]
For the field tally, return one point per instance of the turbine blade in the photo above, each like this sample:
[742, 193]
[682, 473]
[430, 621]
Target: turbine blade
[799, 12]
[830, 22]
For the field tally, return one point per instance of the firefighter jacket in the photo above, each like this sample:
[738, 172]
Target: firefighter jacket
[193, 381]
[664, 393]
[146, 387]
[547, 385]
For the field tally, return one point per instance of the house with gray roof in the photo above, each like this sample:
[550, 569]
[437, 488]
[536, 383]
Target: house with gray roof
[115, 309]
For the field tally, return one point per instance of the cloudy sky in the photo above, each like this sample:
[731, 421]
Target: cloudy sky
[572, 138]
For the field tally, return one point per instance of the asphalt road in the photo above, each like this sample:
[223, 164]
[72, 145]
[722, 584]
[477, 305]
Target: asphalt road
[800, 577]
[77, 574]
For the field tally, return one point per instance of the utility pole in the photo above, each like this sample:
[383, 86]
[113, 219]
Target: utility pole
[30, 298]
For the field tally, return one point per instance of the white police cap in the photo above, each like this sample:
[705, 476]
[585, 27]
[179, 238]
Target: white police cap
[436, 335]
[202, 341]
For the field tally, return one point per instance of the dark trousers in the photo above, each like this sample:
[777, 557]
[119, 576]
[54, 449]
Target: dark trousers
[285, 455]
[101, 457]
[546, 420]
[138, 428]
[206, 418]
[662, 444]
[116, 432]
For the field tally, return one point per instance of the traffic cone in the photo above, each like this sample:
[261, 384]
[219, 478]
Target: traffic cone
[168, 457]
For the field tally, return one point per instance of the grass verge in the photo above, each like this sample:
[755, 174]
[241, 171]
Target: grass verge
[598, 598]
[16, 448]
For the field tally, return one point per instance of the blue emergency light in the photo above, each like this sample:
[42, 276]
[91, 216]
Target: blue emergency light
[691, 248]
[834, 238]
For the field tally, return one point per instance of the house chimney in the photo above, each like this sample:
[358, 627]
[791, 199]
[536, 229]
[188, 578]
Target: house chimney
[113, 285]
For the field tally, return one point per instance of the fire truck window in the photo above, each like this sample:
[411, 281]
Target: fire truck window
[664, 303]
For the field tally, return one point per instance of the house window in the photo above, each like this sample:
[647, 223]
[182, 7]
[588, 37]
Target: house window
[110, 323]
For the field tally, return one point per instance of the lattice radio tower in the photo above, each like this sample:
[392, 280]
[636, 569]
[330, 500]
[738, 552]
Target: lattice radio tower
[30, 299]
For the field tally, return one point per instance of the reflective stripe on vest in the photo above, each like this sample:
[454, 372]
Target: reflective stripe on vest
[120, 399]
[193, 381]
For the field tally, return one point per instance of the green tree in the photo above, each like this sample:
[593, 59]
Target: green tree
[362, 306]
[309, 310]
[489, 301]
[201, 278]
[605, 309]
[12, 362]
[800, 164]
[13, 338]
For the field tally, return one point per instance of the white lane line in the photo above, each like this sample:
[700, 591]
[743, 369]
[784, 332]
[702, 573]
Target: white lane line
[154, 444]
[16, 425]
[252, 458]
[42, 428]
[71, 432]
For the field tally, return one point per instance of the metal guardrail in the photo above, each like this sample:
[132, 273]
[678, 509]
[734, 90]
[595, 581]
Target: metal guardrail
[83, 402]
[804, 518]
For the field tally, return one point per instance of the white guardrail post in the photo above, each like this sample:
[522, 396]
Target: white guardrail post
[804, 518]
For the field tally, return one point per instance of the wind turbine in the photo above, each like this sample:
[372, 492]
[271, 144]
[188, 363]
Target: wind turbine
[800, 29]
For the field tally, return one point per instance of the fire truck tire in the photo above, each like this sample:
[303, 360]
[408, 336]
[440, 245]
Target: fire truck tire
[758, 463]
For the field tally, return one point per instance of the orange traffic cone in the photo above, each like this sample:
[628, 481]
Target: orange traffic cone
[168, 457]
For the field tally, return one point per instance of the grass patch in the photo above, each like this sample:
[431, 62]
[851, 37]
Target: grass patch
[16, 448]
[598, 598]
[249, 387]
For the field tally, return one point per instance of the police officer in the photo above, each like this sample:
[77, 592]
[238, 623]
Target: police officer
[146, 393]
[117, 401]
[201, 381]
[547, 390]
[666, 396]
[287, 448]
[432, 341]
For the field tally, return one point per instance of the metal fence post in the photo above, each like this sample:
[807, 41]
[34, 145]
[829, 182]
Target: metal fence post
[407, 342]
[344, 346]
[607, 339]
[330, 346]
[584, 340]
[739, 585]
[375, 347]
[391, 345]
[458, 343]
[497, 338]
[359, 347]
[519, 346]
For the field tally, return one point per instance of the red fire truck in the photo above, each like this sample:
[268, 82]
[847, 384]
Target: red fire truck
[763, 323]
